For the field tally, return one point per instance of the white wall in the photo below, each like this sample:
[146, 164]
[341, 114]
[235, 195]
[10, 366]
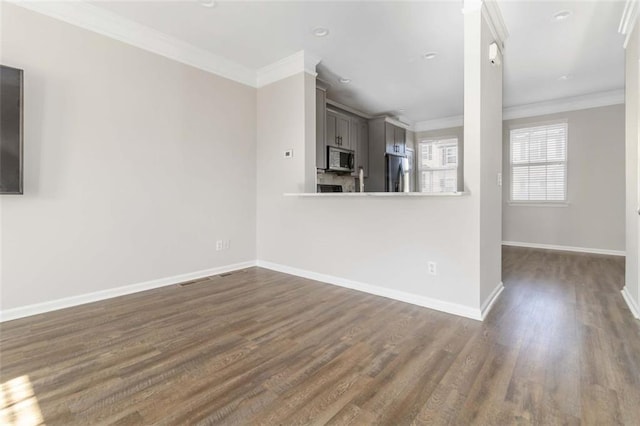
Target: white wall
[134, 165]
[382, 244]
[376, 241]
[594, 217]
[483, 150]
[632, 97]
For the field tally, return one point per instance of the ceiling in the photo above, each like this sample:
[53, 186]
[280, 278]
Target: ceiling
[380, 46]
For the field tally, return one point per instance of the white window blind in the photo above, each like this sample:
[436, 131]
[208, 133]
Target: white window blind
[438, 165]
[539, 163]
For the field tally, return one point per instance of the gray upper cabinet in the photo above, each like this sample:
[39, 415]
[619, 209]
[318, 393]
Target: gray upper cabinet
[321, 129]
[384, 138]
[338, 130]
[360, 144]
[395, 139]
[389, 138]
[341, 129]
[400, 136]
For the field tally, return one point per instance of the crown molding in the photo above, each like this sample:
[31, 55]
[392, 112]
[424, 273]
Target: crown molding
[101, 21]
[349, 109]
[439, 123]
[492, 14]
[573, 103]
[298, 62]
[630, 17]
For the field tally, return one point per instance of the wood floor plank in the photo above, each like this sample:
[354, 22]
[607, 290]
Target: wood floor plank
[262, 347]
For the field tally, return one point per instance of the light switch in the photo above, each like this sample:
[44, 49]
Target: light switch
[499, 179]
[288, 153]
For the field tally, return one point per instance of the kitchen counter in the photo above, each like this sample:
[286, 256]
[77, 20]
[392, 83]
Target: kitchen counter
[374, 194]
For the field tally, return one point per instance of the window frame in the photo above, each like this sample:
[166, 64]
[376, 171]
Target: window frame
[419, 170]
[540, 203]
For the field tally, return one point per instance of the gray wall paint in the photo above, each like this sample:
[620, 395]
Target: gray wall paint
[375, 241]
[134, 165]
[632, 96]
[386, 241]
[482, 153]
[594, 217]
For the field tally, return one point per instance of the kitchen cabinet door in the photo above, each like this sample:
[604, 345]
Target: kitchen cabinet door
[343, 131]
[331, 135]
[338, 129]
[321, 129]
[362, 153]
[360, 145]
[400, 136]
[394, 139]
[390, 138]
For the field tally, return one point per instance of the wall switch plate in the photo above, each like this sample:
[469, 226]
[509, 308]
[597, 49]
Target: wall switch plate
[219, 245]
[499, 179]
[432, 267]
[288, 153]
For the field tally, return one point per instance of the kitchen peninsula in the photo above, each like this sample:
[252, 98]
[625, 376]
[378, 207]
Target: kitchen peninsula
[356, 151]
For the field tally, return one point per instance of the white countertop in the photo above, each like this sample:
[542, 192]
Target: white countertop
[374, 194]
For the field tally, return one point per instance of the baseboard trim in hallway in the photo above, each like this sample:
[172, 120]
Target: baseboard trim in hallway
[564, 248]
[402, 296]
[81, 299]
[491, 300]
[633, 307]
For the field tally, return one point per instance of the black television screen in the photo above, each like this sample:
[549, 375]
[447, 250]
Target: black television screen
[10, 130]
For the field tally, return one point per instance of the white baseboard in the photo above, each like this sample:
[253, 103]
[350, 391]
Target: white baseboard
[438, 305]
[565, 248]
[67, 302]
[491, 300]
[633, 307]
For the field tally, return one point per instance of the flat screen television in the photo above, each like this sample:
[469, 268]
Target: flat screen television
[11, 152]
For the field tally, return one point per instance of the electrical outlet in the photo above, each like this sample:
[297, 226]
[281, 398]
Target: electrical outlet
[226, 244]
[432, 267]
[219, 245]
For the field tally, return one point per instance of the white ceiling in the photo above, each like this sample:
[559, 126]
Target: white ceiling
[379, 46]
[540, 50]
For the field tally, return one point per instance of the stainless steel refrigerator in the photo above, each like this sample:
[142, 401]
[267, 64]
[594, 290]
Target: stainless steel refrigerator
[397, 173]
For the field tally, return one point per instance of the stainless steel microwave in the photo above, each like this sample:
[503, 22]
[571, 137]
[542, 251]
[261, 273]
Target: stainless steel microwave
[340, 160]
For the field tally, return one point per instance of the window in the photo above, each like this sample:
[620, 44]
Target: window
[539, 163]
[438, 165]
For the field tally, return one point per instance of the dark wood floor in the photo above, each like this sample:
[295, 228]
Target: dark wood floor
[260, 347]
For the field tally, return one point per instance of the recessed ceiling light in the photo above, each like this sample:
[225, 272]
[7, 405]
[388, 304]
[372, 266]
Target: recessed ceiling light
[344, 80]
[562, 15]
[565, 77]
[208, 3]
[320, 32]
[429, 55]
